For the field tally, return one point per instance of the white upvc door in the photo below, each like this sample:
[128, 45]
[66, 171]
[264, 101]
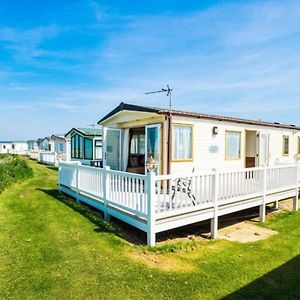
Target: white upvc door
[153, 145]
[263, 149]
[112, 148]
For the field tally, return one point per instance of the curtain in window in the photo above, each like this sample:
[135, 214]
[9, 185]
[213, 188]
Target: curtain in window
[152, 143]
[125, 149]
[233, 145]
[182, 142]
[285, 145]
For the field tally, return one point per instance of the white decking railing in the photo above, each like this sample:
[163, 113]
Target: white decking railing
[49, 158]
[46, 157]
[157, 203]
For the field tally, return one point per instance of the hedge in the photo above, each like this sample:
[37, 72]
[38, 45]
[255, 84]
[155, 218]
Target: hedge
[12, 169]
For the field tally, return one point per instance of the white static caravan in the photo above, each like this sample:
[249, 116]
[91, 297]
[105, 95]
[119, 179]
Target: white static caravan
[5, 147]
[19, 147]
[32, 145]
[85, 145]
[185, 142]
[58, 145]
[44, 144]
[206, 167]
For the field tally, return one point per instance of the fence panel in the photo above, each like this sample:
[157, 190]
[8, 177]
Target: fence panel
[90, 180]
[127, 190]
[67, 175]
[173, 192]
[240, 183]
[281, 177]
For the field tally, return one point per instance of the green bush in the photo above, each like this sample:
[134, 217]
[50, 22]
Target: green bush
[12, 169]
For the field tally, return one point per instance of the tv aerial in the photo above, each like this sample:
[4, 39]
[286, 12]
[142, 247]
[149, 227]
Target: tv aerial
[168, 92]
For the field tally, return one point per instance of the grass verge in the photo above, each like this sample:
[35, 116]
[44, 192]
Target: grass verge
[53, 248]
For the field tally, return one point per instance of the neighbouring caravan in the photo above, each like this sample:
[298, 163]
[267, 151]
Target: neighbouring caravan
[44, 144]
[19, 147]
[5, 147]
[85, 145]
[177, 141]
[58, 145]
[14, 147]
[32, 145]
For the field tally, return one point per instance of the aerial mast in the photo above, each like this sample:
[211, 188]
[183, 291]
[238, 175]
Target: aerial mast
[168, 92]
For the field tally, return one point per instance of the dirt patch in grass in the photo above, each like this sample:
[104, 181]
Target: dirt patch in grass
[167, 262]
[245, 232]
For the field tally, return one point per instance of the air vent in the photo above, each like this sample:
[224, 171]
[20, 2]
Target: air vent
[277, 123]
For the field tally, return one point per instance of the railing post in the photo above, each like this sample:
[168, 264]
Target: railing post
[215, 193]
[150, 185]
[59, 178]
[296, 202]
[106, 189]
[262, 207]
[77, 180]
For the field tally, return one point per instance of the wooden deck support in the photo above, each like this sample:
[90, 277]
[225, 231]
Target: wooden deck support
[150, 186]
[106, 185]
[262, 208]
[215, 219]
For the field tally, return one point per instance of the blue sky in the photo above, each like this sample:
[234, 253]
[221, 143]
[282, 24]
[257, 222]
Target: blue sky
[67, 63]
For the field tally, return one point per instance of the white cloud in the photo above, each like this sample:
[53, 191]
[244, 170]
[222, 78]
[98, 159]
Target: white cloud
[240, 59]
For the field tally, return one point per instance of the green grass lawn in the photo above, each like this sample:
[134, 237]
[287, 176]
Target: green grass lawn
[52, 248]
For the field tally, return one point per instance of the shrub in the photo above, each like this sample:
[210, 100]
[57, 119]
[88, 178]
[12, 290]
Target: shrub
[12, 169]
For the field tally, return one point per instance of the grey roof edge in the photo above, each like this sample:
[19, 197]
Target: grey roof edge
[61, 137]
[79, 130]
[131, 107]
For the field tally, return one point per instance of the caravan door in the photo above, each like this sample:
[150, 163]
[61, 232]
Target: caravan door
[112, 148]
[153, 146]
[263, 149]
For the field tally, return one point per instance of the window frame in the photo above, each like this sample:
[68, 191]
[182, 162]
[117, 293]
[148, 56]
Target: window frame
[284, 137]
[192, 142]
[75, 153]
[226, 148]
[84, 148]
[97, 146]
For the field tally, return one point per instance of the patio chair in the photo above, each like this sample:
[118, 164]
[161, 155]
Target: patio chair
[184, 185]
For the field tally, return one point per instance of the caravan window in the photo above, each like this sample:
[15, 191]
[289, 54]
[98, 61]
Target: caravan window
[98, 149]
[88, 148]
[182, 147]
[80, 146]
[233, 145]
[137, 145]
[77, 146]
[286, 145]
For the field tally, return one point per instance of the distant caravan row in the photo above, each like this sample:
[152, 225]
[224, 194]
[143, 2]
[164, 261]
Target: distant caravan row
[83, 145]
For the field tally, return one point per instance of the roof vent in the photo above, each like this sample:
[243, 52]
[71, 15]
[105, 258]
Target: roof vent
[277, 123]
[292, 125]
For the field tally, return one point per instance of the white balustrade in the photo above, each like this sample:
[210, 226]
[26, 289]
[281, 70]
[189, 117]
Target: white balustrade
[157, 197]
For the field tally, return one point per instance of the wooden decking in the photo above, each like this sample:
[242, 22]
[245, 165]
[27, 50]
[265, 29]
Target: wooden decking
[158, 203]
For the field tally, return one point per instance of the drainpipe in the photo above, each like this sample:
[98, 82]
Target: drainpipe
[169, 142]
